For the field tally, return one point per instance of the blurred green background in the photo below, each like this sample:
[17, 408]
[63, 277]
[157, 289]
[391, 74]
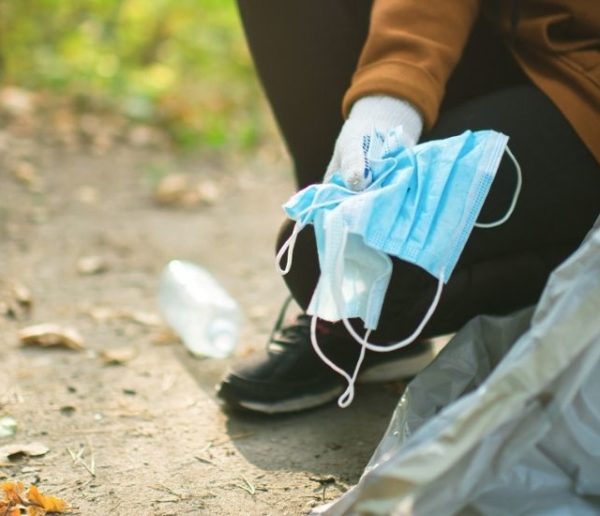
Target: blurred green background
[181, 65]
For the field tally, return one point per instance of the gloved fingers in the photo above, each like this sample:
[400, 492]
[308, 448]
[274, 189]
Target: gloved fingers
[350, 155]
[354, 165]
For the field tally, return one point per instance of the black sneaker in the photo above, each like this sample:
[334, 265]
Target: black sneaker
[289, 376]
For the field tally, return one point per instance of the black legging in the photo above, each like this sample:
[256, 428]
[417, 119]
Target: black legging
[306, 51]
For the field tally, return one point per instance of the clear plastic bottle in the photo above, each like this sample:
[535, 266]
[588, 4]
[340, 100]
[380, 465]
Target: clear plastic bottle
[199, 310]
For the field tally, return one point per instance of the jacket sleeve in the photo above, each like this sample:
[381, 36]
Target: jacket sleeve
[411, 50]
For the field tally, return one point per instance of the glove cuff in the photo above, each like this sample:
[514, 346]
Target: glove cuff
[385, 113]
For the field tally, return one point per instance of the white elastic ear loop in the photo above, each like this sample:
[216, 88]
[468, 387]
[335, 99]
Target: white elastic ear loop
[513, 204]
[407, 340]
[348, 395]
[288, 246]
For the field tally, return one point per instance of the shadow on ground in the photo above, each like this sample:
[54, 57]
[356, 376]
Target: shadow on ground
[325, 441]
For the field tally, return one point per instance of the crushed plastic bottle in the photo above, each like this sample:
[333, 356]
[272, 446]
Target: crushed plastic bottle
[199, 310]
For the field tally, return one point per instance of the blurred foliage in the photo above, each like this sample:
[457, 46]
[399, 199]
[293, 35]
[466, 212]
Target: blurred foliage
[182, 64]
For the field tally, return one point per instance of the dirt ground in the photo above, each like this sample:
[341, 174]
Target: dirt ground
[148, 437]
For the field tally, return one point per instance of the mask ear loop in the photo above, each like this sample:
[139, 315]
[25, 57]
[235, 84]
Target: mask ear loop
[289, 245]
[348, 395]
[511, 209]
[408, 340]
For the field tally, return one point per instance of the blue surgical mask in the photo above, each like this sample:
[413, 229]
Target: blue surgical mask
[421, 207]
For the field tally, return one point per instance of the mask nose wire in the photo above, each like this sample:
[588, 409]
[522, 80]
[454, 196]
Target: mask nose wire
[513, 204]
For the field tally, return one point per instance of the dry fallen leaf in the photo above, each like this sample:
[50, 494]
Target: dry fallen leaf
[89, 265]
[143, 318]
[27, 174]
[13, 492]
[5, 510]
[180, 190]
[22, 295]
[9, 452]
[165, 337]
[18, 302]
[171, 189]
[47, 503]
[48, 335]
[118, 356]
[15, 500]
[103, 314]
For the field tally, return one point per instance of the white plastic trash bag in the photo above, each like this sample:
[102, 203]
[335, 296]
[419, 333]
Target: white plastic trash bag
[506, 420]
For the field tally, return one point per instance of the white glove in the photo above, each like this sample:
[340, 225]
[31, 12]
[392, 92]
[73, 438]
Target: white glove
[374, 113]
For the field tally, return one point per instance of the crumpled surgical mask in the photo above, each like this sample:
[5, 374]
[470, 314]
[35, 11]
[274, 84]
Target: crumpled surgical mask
[421, 206]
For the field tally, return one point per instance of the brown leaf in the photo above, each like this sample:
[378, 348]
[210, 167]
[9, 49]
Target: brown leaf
[171, 189]
[9, 452]
[118, 356]
[165, 337]
[26, 173]
[181, 190]
[48, 335]
[47, 503]
[89, 265]
[22, 295]
[143, 318]
[7, 509]
[102, 314]
[13, 492]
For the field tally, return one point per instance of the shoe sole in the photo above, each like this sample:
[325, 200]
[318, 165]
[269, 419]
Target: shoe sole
[397, 369]
[293, 405]
[400, 369]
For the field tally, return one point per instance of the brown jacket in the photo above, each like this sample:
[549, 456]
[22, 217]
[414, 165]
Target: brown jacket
[413, 46]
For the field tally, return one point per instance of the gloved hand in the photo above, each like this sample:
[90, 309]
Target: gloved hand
[374, 113]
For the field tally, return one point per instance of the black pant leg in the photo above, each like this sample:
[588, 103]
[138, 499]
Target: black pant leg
[305, 52]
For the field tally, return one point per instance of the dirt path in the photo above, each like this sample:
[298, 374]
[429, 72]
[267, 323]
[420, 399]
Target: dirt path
[151, 431]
